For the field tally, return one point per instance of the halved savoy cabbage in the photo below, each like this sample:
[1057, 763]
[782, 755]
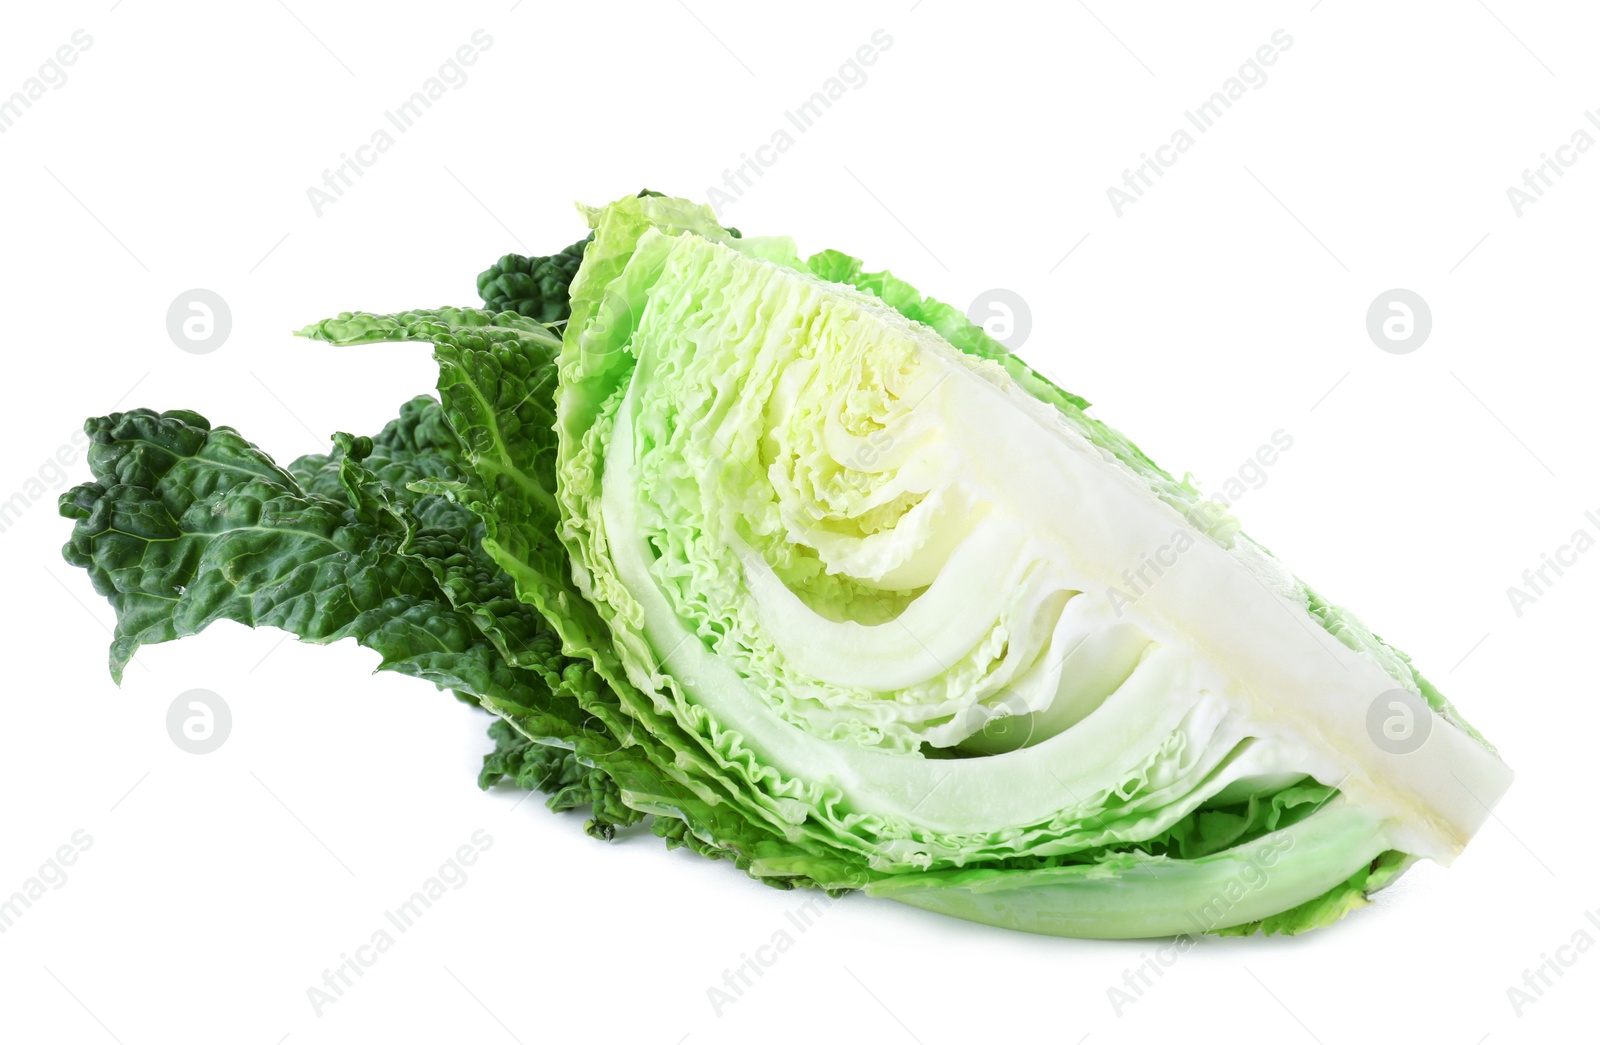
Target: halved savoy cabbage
[809, 572]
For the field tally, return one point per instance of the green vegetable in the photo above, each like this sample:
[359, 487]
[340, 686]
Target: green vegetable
[806, 571]
[532, 287]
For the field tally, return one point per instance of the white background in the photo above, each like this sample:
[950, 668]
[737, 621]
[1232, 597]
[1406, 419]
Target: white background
[1227, 303]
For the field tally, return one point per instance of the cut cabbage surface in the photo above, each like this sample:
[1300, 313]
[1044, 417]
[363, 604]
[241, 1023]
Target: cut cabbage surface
[879, 578]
